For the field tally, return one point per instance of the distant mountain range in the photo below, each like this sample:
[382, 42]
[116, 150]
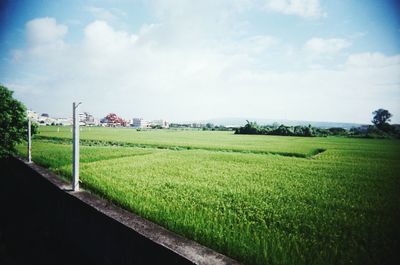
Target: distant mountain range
[242, 121]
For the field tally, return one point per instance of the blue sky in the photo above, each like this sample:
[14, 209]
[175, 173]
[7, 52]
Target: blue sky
[193, 60]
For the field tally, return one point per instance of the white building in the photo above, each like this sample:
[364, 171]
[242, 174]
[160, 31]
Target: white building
[63, 121]
[88, 119]
[161, 123]
[32, 115]
[140, 123]
[44, 119]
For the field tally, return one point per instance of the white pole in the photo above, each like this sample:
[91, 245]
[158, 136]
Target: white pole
[29, 142]
[75, 169]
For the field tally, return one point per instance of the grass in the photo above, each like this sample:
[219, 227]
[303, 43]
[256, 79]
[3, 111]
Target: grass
[339, 207]
[187, 139]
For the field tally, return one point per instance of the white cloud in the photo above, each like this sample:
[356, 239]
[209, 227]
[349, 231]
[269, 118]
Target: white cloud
[101, 13]
[102, 38]
[191, 21]
[254, 46]
[302, 8]
[159, 71]
[42, 31]
[114, 16]
[372, 60]
[326, 46]
[260, 43]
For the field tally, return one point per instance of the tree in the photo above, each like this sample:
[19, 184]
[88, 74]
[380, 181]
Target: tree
[209, 125]
[381, 119]
[249, 128]
[308, 131]
[114, 120]
[13, 122]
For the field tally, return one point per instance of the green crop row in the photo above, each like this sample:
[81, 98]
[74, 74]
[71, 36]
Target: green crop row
[171, 139]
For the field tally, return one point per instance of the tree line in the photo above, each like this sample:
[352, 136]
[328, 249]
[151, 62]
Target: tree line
[380, 128]
[283, 130]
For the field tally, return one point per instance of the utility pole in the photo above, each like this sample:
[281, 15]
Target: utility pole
[29, 141]
[75, 151]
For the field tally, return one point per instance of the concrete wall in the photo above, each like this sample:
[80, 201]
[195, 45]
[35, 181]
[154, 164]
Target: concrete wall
[42, 222]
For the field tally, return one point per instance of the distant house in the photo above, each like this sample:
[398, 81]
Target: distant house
[140, 123]
[160, 123]
[232, 126]
[32, 115]
[44, 119]
[63, 121]
[88, 119]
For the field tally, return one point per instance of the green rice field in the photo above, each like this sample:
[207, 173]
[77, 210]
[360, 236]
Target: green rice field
[258, 199]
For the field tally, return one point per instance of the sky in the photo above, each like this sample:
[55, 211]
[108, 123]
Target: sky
[187, 60]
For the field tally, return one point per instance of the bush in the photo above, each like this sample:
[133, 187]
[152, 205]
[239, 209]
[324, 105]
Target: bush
[306, 131]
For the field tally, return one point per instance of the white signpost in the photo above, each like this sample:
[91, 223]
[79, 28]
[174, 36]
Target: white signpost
[29, 142]
[75, 158]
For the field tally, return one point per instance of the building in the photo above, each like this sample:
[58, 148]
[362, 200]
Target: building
[88, 119]
[197, 125]
[32, 115]
[160, 123]
[63, 121]
[44, 119]
[140, 123]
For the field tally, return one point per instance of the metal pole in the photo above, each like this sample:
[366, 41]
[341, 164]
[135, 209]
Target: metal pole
[29, 142]
[75, 151]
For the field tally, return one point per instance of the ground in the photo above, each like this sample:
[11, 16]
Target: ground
[259, 199]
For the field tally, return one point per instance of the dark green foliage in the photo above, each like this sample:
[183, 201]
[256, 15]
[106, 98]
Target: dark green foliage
[337, 131]
[307, 131]
[388, 131]
[381, 119]
[372, 131]
[156, 127]
[209, 125]
[13, 122]
[249, 128]
[384, 130]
